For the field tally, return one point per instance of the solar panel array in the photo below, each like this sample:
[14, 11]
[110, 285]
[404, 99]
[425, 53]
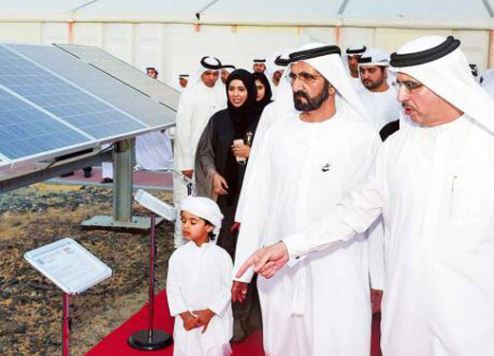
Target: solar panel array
[51, 103]
[155, 89]
[26, 131]
[95, 81]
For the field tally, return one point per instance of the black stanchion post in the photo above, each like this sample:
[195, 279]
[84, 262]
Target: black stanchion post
[151, 339]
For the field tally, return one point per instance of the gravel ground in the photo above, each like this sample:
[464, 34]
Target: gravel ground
[30, 305]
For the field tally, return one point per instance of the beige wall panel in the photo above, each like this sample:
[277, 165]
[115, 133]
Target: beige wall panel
[25, 32]
[89, 34]
[118, 39]
[57, 32]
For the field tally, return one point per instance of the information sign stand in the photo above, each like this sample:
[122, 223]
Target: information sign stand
[71, 268]
[152, 339]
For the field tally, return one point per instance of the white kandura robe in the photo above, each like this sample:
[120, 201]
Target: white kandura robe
[356, 82]
[195, 108]
[200, 278]
[275, 112]
[435, 187]
[383, 107]
[321, 305]
[268, 118]
[154, 151]
[489, 88]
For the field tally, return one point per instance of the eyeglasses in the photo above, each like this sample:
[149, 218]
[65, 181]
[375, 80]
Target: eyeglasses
[306, 78]
[410, 87]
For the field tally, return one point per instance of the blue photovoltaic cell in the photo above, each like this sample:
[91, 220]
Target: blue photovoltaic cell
[155, 89]
[63, 99]
[26, 131]
[100, 84]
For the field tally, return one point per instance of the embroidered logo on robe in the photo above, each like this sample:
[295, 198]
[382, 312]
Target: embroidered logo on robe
[326, 167]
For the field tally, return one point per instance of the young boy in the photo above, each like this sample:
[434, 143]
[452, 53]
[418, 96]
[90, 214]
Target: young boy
[199, 282]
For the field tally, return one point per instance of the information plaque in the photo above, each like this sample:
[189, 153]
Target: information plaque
[68, 265]
[155, 205]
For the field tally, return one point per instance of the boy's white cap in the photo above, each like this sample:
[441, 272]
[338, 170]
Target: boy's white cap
[374, 57]
[204, 208]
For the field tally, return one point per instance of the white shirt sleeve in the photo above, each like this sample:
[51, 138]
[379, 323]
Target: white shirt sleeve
[176, 300]
[353, 215]
[224, 295]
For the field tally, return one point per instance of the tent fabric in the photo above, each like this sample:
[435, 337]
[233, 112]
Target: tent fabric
[25, 10]
[419, 13]
[164, 11]
[460, 14]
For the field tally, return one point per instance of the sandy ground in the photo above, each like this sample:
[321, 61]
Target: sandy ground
[30, 305]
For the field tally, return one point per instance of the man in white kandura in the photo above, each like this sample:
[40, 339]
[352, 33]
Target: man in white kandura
[353, 54]
[200, 100]
[381, 102]
[434, 186]
[259, 65]
[378, 97]
[307, 163]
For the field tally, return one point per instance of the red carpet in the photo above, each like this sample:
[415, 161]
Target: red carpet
[115, 344]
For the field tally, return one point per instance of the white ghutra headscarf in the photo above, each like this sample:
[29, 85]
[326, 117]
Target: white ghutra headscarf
[440, 65]
[204, 208]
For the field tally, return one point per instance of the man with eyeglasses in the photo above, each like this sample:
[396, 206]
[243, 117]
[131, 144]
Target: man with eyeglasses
[199, 101]
[307, 163]
[434, 185]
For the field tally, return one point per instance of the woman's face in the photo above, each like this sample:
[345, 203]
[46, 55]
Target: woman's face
[237, 93]
[261, 90]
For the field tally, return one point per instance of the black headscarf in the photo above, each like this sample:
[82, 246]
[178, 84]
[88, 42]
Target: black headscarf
[268, 93]
[243, 117]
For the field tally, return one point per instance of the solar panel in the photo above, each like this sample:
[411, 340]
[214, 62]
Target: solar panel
[100, 84]
[63, 99]
[117, 68]
[28, 132]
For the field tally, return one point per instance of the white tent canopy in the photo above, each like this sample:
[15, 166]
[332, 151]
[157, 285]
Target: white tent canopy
[173, 35]
[164, 11]
[473, 14]
[272, 12]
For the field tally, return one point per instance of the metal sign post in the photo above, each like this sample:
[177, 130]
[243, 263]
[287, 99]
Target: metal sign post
[151, 339]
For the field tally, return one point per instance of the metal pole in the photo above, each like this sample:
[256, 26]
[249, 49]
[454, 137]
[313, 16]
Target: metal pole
[151, 339]
[122, 181]
[152, 263]
[65, 325]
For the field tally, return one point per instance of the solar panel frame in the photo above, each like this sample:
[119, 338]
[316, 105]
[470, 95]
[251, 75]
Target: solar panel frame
[125, 72]
[67, 88]
[93, 80]
[52, 96]
[54, 123]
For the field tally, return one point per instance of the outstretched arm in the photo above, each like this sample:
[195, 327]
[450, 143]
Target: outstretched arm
[353, 215]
